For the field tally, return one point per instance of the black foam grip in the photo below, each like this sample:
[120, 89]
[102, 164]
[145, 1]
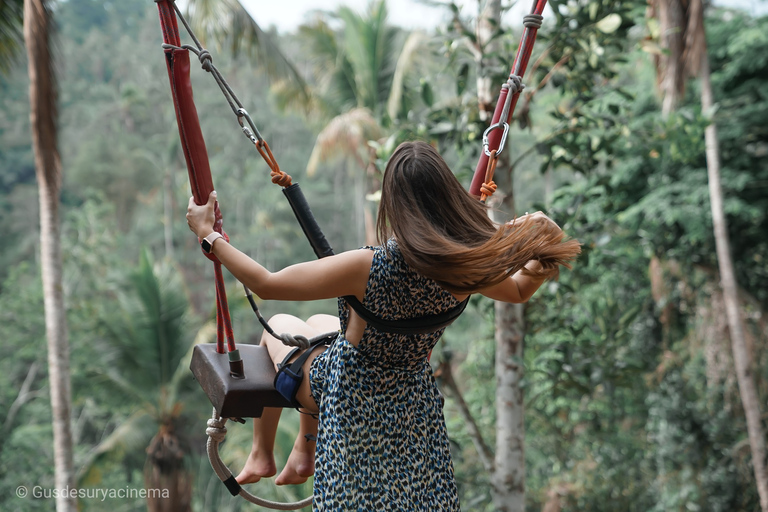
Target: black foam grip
[232, 486]
[307, 221]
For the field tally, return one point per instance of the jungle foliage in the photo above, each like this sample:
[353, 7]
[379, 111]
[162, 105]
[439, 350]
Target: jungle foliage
[631, 399]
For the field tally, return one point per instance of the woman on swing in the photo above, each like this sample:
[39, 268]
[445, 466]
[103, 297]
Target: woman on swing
[381, 443]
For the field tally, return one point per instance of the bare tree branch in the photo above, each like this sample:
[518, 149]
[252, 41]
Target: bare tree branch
[22, 397]
[445, 375]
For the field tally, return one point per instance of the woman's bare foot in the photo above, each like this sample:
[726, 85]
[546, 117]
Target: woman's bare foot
[300, 466]
[256, 467]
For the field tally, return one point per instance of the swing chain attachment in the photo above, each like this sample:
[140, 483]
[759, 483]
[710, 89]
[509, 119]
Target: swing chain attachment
[513, 86]
[503, 140]
[250, 131]
[278, 177]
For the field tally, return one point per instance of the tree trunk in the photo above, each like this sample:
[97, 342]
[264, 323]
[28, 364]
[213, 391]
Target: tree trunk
[508, 478]
[747, 387]
[670, 66]
[487, 25]
[166, 480]
[43, 99]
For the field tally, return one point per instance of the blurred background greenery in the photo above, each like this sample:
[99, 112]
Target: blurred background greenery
[631, 399]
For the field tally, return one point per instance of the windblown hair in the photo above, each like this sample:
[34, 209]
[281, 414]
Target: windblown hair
[445, 234]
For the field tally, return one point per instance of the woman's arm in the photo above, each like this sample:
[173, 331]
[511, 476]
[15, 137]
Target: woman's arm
[517, 288]
[333, 276]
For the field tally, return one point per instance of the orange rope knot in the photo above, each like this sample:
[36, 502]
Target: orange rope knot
[487, 189]
[278, 176]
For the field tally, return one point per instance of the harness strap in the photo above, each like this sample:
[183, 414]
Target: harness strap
[418, 325]
[289, 376]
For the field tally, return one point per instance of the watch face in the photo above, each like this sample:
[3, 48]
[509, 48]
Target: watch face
[206, 246]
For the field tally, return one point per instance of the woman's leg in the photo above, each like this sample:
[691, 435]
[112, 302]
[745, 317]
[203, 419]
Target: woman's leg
[300, 463]
[261, 460]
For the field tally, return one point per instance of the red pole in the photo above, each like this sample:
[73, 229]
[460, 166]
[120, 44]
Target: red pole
[195, 153]
[524, 50]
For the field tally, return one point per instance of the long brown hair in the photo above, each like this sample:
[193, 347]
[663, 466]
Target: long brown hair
[445, 234]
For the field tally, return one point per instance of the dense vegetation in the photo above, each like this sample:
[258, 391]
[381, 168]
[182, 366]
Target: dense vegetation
[631, 399]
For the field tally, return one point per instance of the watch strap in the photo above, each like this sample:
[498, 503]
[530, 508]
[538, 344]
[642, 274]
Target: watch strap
[207, 242]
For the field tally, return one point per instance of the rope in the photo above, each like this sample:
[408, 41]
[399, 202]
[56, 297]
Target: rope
[288, 339]
[294, 341]
[217, 431]
[489, 187]
[223, 321]
[533, 21]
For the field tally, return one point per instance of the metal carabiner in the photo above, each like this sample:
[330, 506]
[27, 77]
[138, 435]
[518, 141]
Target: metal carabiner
[252, 132]
[503, 140]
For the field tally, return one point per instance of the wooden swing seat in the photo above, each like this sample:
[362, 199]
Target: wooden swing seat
[235, 397]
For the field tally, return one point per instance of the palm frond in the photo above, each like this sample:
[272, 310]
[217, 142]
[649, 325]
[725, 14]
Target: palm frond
[131, 435]
[346, 135]
[405, 61]
[147, 334]
[334, 74]
[228, 23]
[369, 45]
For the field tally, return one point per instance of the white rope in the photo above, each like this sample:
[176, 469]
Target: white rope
[217, 431]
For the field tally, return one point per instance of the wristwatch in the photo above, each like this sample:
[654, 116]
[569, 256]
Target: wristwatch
[207, 242]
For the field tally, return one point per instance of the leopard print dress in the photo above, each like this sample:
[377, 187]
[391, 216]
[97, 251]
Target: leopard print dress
[382, 443]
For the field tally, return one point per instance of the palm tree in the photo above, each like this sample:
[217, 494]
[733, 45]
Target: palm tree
[43, 113]
[148, 363]
[681, 22]
[361, 74]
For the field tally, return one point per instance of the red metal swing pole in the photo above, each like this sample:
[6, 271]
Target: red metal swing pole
[195, 153]
[518, 68]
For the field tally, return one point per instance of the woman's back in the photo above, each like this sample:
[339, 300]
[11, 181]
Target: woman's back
[382, 443]
[396, 292]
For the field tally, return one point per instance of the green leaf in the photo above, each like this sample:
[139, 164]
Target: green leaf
[461, 79]
[609, 24]
[427, 94]
[593, 7]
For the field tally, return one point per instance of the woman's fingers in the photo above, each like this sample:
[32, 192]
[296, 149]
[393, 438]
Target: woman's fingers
[200, 215]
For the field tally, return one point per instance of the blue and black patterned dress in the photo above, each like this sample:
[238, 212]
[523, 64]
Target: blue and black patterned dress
[382, 443]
